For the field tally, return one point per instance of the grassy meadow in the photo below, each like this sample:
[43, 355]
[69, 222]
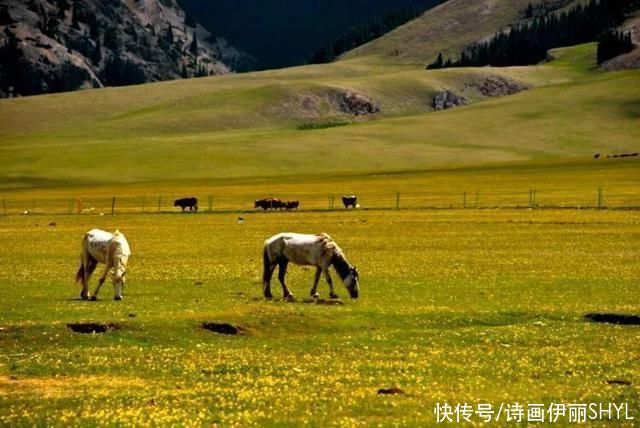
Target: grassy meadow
[457, 306]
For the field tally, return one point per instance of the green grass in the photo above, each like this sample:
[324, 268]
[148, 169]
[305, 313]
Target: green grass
[457, 305]
[248, 126]
[475, 306]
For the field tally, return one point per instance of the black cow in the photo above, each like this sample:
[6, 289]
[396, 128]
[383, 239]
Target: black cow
[268, 203]
[350, 201]
[292, 205]
[191, 203]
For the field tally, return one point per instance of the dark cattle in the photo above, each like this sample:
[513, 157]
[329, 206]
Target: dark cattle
[191, 203]
[350, 201]
[292, 205]
[268, 203]
[279, 204]
[265, 204]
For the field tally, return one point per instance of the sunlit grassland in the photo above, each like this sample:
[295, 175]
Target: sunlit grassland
[476, 306]
[247, 126]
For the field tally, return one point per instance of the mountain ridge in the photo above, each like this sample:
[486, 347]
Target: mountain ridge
[55, 45]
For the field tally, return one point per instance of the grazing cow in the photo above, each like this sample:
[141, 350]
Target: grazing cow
[350, 201]
[191, 203]
[113, 250]
[292, 205]
[311, 250]
[269, 203]
[265, 203]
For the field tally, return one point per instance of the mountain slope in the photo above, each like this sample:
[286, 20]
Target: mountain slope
[245, 125]
[56, 45]
[446, 28]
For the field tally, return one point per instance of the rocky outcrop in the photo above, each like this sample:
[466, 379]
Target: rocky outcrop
[61, 45]
[446, 99]
[498, 86]
[357, 104]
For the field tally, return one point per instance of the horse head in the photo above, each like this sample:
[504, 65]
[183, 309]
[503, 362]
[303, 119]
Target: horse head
[352, 282]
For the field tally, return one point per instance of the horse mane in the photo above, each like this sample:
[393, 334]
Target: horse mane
[340, 263]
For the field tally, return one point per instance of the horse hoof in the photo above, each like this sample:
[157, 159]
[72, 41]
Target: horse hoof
[94, 298]
[117, 298]
[315, 296]
[333, 296]
[289, 298]
[268, 297]
[84, 297]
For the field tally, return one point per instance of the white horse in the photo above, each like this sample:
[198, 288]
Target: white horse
[314, 250]
[110, 249]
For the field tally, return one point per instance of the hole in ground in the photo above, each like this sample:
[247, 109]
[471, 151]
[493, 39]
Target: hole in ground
[390, 391]
[224, 328]
[621, 319]
[92, 327]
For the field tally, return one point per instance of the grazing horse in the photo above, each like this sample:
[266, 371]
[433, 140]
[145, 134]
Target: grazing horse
[113, 251]
[311, 250]
[350, 201]
[292, 205]
[191, 203]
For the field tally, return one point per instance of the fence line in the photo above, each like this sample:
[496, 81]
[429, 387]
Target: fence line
[598, 198]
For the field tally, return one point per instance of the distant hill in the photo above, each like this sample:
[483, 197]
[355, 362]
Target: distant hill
[447, 28]
[281, 33]
[60, 45]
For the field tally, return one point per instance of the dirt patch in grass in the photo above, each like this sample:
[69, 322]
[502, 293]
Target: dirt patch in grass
[620, 319]
[224, 328]
[92, 327]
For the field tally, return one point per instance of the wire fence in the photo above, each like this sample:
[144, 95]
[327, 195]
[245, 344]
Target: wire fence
[599, 198]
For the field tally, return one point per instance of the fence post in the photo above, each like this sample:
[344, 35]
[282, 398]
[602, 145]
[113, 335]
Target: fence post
[159, 202]
[210, 203]
[71, 206]
[535, 197]
[464, 200]
[600, 198]
[113, 206]
[398, 200]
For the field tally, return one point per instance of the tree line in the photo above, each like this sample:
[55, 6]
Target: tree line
[528, 43]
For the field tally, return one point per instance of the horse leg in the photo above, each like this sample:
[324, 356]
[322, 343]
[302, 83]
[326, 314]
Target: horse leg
[282, 271]
[89, 264]
[314, 289]
[327, 276]
[82, 278]
[266, 284]
[103, 277]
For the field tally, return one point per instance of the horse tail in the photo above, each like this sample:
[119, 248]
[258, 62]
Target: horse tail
[80, 273]
[266, 276]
